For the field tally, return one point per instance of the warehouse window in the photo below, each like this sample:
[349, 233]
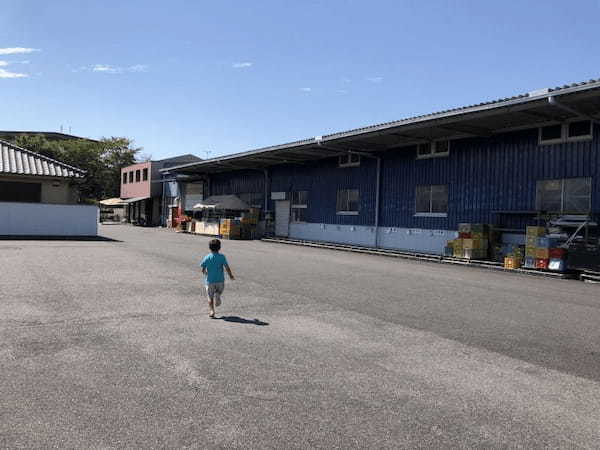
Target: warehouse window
[299, 206]
[433, 149]
[137, 176]
[131, 177]
[124, 177]
[432, 200]
[349, 160]
[579, 130]
[348, 201]
[145, 174]
[570, 195]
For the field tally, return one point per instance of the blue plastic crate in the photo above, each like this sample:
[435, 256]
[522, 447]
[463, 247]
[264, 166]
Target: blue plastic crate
[557, 265]
[529, 262]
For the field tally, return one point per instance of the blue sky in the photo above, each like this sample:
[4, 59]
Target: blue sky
[227, 76]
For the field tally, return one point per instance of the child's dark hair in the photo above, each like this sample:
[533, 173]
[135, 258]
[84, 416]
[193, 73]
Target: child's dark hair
[214, 245]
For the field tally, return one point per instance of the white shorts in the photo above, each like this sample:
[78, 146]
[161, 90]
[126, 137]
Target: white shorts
[214, 291]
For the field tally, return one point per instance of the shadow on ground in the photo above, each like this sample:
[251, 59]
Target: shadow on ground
[28, 237]
[236, 319]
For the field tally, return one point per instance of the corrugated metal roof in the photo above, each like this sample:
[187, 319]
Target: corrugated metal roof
[529, 97]
[558, 90]
[19, 161]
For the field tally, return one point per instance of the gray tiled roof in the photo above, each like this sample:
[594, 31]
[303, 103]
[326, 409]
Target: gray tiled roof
[19, 161]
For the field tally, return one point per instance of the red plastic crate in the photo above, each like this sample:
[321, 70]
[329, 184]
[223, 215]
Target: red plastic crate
[558, 253]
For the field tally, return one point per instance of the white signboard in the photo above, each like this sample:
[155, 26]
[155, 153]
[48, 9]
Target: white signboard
[278, 195]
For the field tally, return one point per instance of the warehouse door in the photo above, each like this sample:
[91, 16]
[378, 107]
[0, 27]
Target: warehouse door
[282, 218]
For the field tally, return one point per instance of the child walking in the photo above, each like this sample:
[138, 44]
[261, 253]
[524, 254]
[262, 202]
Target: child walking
[212, 268]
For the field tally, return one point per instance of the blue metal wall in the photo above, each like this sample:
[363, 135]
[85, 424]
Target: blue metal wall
[322, 181]
[237, 182]
[483, 175]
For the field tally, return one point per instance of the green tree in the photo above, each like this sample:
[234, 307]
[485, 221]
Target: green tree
[118, 152]
[39, 144]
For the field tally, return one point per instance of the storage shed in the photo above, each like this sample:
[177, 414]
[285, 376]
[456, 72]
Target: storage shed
[39, 196]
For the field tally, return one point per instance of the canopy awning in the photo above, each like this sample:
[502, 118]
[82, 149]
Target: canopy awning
[230, 202]
[113, 202]
[135, 199]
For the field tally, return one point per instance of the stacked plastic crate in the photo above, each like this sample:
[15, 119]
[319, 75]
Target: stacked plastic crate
[543, 251]
[531, 246]
[472, 242]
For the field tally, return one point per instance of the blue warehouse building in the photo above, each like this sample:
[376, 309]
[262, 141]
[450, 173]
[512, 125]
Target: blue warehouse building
[408, 184]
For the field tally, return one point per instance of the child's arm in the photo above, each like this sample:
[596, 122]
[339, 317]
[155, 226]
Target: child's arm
[229, 272]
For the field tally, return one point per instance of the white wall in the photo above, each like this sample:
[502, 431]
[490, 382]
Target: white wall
[409, 239]
[39, 219]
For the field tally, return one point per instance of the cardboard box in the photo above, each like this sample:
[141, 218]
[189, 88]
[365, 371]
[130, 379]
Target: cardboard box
[479, 235]
[474, 253]
[475, 243]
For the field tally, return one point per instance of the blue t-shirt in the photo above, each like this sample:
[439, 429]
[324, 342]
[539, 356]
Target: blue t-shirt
[214, 263]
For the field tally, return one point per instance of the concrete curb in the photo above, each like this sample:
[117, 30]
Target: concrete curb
[486, 265]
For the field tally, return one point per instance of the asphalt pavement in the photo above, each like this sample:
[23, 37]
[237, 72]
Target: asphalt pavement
[107, 344]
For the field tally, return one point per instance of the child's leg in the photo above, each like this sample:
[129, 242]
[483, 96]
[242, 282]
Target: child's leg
[218, 292]
[211, 303]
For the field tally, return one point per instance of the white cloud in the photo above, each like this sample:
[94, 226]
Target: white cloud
[17, 50]
[6, 74]
[306, 89]
[345, 80]
[375, 80]
[106, 68]
[138, 68]
[7, 63]
[242, 65]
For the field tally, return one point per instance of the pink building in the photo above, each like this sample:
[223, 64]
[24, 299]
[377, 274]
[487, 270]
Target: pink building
[142, 187]
[136, 181]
